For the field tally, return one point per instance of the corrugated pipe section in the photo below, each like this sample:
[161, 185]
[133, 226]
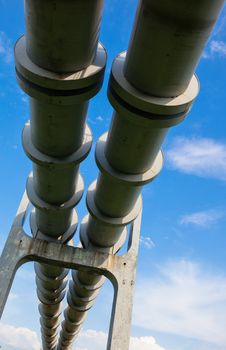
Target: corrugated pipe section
[60, 65]
[151, 89]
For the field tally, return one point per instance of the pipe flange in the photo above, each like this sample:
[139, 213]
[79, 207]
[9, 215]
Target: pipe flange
[48, 330]
[124, 95]
[68, 88]
[86, 288]
[46, 278]
[71, 322]
[42, 205]
[49, 345]
[50, 318]
[44, 300]
[48, 161]
[49, 339]
[65, 343]
[44, 326]
[74, 294]
[51, 294]
[133, 179]
[64, 239]
[50, 285]
[119, 221]
[67, 333]
[42, 311]
[77, 298]
[79, 308]
[87, 244]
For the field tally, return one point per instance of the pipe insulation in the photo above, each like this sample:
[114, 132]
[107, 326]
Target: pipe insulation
[151, 88]
[166, 44]
[60, 65]
[67, 39]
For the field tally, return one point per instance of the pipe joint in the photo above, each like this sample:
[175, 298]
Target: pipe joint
[62, 35]
[102, 230]
[62, 89]
[53, 220]
[140, 121]
[81, 288]
[55, 178]
[87, 244]
[64, 239]
[158, 111]
[117, 192]
[47, 161]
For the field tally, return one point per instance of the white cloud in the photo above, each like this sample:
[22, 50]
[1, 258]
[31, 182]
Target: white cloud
[5, 48]
[12, 296]
[215, 48]
[90, 339]
[25, 99]
[19, 338]
[146, 242]
[184, 300]
[144, 343]
[198, 156]
[181, 298]
[202, 218]
[218, 47]
[99, 118]
[25, 339]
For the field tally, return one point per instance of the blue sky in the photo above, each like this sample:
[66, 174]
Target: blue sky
[180, 299]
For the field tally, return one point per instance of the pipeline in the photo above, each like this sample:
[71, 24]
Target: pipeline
[60, 64]
[151, 88]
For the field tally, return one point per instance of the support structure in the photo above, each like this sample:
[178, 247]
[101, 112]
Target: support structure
[120, 270]
[152, 87]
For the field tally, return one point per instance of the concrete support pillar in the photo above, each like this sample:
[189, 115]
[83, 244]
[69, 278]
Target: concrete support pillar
[60, 65]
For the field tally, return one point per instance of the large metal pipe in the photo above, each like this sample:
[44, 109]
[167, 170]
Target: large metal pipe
[142, 119]
[167, 42]
[129, 157]
[62, 36]
[57, 138]
[47, 125]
